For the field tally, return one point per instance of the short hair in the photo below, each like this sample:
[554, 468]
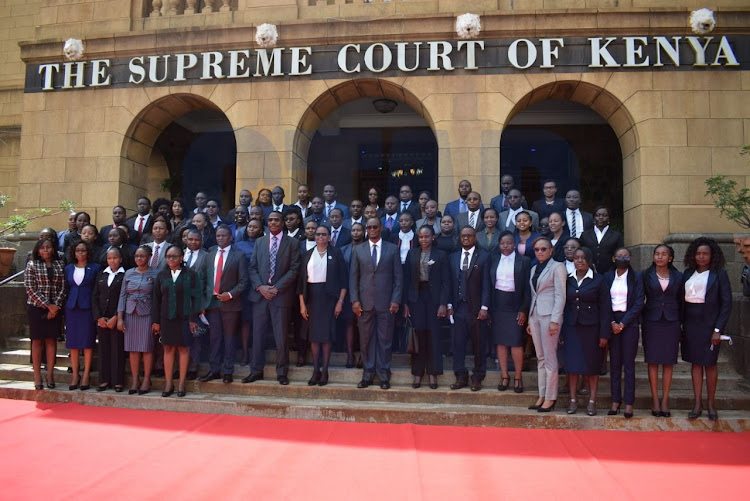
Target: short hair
[506, 233]
[223, 226]
[549, 180]
[541, 238]
[587, 254]
[407, 213]
[159, 202]
[146, 199]
[145, 248]
[192, 231]
[425, 227]
[600, 207]
[214, 199]
[115, 249]
[96, 230]
[717, 255]
[82, 213]
[670, 250]
[577, 240]
[526, 213]
[358, 224]
[120, 232]
[120, 207]
[336, 208]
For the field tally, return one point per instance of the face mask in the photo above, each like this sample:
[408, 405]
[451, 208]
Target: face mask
[621, 265]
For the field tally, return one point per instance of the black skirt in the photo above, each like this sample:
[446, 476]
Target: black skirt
[321, 325]
[505, 328]
[696, 343]
[661, 341]
[40, 327]
[176, 332]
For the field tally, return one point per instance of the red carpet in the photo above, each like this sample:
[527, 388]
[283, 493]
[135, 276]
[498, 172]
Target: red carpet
[65, 451]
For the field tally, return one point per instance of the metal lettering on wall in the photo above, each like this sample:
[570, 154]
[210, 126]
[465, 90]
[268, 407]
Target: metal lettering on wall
[657, 53]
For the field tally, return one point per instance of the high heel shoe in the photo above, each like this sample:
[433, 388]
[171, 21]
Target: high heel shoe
[655, 413]
[143, 392]
[168, 393]
[350, 361]
[323, 378]
[433, 382]
[417, 382]
[103, 387]
[614, 412]
[503, 384]
[665, 414]
[314, 379]
[518, 388]
[713, 415]
[51, 384]
[547, 409]
[535, 407]
[695, 414]
[39, 386]
[181, 392]
[572, 407]
[628, 413]
[74, 386]
[132, 391]
[591, 408]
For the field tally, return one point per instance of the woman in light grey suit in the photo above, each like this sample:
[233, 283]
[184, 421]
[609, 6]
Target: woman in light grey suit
[548, 279]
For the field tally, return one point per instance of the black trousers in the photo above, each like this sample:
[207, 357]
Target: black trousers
[111, 356]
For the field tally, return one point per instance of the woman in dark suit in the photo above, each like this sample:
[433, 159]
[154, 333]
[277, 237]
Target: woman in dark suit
[707, 304]
[487, 238]
[347, 316]
[525, 237]
[447, 241]
[586, 327]
[425, 296]
[559, 235]
[322, 287]
[602, 240]
[509, 307]
[104, 307]
[79, 320]
[253, 231]
[44, 280]
[626, 292]
[661, 329]
[177, 301]
[117, 239]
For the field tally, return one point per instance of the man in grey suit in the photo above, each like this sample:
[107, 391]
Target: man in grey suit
[196, 258]
[473, 216]
[375, 286]
[226, 279]
[274, 268]
[507, 218]
[159, 246]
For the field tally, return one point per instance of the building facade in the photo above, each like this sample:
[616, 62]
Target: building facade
[170, 93]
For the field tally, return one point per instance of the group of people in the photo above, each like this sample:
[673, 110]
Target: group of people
[158, 283]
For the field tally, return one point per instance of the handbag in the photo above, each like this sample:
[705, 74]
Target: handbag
[412, 345]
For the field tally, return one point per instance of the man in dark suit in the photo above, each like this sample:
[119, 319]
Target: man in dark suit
[507, 218]
[274, 268]
[318, 214]
[196, 258]
[340, 236]
[407, 204]
[303, 200]
[245, 199]
[159, 245]
[501, 202]
[355, 214]
[473, 216]
[277, 202]
[118, 218]
[138, 224]
[329, 197]
[226, 279]
[577, 220]
[389, 221]
[375, 286]
[458, 206]
[470, 297]
[548, 203]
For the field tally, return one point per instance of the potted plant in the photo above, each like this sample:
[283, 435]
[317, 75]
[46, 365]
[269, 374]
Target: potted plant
[16, 224]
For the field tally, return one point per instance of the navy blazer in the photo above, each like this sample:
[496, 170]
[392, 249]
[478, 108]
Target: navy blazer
[477, 285]
[343, 238]
[337, 273]
[718, 303]
[439, 281]
[636, 296]
[660, 304]
[80, 295]
[521, 280]
[589, 304]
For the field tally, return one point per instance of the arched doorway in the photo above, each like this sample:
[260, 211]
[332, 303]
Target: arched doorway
[179, 145]
[556, 132]
[367, 133]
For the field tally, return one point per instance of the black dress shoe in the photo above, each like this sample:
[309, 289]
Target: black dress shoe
[192, 375]
[655, 413]
[181, 393]
[476, 385]
[713, 416]
[613, 412]
[166, 394]
[417, 383]
[85, 387]
[385, 385]
[665, 414]
[460, 383]
[143, 392]
[118, 389]
[350, 362]
[694, 414]
[314, 379]
[433, 382]
[364, 383]
[547, 409]
[132, 392]
[627, 415]
[228, 378]
[252, 378]
[102, 387]
[283, 380]
[210, 377]
[534, 407]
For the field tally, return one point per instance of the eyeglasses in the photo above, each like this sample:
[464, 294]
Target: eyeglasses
[541, 249]
[622, 258]
[571, 247]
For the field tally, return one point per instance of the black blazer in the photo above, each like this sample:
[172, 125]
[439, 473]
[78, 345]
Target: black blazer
[438, 276]
[558, 251]
[718, 303]
[636, 295]
[477, 285]
[540, 207]
[521, 276]
[337, 273]
[105, 297]
[413, 208]
[604, 250]
[589, 304]
[128, 258]
[343, 238]
[188, 296]
[660, 304]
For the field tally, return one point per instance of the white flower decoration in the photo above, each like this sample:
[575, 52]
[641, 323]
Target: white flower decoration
[468, 26]
[266, 35]
[73, 49]
[702, 21]
[431, 262]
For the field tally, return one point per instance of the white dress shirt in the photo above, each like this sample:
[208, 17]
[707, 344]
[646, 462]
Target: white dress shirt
[317, 268]
[579, 222]
[111, 277]
[599, 233]
[504, 275]
[695, 287]
[175, 274]
[379, 245]
[404, 244]
[619, 292]
[511, 219]
[476, 218]
[589, 274]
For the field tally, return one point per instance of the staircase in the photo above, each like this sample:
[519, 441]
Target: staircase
[342, 400]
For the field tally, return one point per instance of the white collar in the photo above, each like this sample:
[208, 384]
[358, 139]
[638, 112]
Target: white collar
[511, 256]
[589, 274]
[109, 270]
[406, 236]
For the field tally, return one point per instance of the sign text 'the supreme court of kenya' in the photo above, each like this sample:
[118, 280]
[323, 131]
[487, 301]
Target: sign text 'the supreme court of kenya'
[650, 53]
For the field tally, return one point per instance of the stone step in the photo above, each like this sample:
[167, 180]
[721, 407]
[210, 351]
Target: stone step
[730, 395]
[317, 404]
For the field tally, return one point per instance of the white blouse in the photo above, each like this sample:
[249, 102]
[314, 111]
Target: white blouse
[78, 275]
[317, 268]
[504, 276]
[619, 292]
[695, 287]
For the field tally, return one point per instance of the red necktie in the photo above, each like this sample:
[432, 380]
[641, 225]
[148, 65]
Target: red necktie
[219, 270]
[155, 257]
[140, 227]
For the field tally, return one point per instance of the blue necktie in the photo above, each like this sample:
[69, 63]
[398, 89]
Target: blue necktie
[374, 256]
